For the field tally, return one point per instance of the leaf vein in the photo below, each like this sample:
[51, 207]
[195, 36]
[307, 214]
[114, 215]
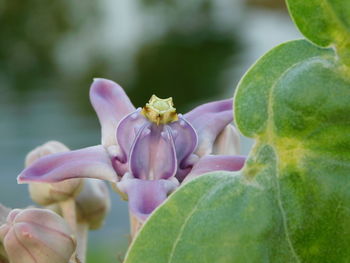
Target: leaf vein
[208, 194]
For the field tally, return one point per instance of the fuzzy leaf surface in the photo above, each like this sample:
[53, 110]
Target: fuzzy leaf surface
[324, 22]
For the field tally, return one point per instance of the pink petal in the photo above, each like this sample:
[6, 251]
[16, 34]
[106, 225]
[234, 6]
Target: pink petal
[92, 162]
[153, 154]
[185, 139]
[146, 195]
[212, 163]
[127, 131]
[209, 120]
[111, 105]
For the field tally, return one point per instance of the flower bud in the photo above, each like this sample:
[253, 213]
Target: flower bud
[4, 211]
[45, 193]
[93, 203]
[227, 142]
[37, 235]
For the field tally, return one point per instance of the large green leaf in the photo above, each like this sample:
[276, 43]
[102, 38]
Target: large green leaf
[324, 22]
[291, 202]
[212, 219]
[304, 118]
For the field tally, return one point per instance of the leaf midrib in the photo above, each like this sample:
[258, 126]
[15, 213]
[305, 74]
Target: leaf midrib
[207, 195]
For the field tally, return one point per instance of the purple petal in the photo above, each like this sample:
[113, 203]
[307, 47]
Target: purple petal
[146, 195]
[127, 131]
[153, 154]
[111, 105]
[209, 120]
[185, 139]
[92, 162]
[212, 163]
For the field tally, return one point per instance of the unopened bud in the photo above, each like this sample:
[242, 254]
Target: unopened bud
[45, 193]
[4, 211]
[37, 235]
[47, 148]
[93, 203]
[227, 142]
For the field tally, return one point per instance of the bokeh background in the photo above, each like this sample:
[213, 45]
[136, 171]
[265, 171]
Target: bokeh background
[194, 51]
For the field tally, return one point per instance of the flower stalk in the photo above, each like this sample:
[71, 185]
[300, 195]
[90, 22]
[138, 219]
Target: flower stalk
[135, 226]
[82, 241]
[68, 210]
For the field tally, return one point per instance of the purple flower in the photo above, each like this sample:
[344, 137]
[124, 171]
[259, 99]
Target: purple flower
[147, 152]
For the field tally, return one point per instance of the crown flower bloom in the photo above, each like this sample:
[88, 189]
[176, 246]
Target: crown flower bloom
[147, 152]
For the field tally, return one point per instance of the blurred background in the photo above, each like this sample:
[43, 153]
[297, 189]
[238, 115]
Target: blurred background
[195, 51]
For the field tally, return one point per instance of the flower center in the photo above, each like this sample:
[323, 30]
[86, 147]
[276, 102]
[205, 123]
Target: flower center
[160, 111]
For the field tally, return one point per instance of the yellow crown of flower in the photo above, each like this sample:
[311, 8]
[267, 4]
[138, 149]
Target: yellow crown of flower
[160, 111]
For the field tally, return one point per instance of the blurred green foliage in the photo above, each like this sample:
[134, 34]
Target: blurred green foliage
[30, 33]
[186, 66]
[188, 61]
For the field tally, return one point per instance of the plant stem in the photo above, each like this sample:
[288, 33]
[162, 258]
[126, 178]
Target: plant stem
[82, 240]
[135, 226]
[69, 213]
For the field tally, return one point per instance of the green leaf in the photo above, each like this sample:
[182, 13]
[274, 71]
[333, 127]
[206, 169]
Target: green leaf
[303, 117]
[253, 96]
[324, 22]
[200, 222]
[291, 202]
